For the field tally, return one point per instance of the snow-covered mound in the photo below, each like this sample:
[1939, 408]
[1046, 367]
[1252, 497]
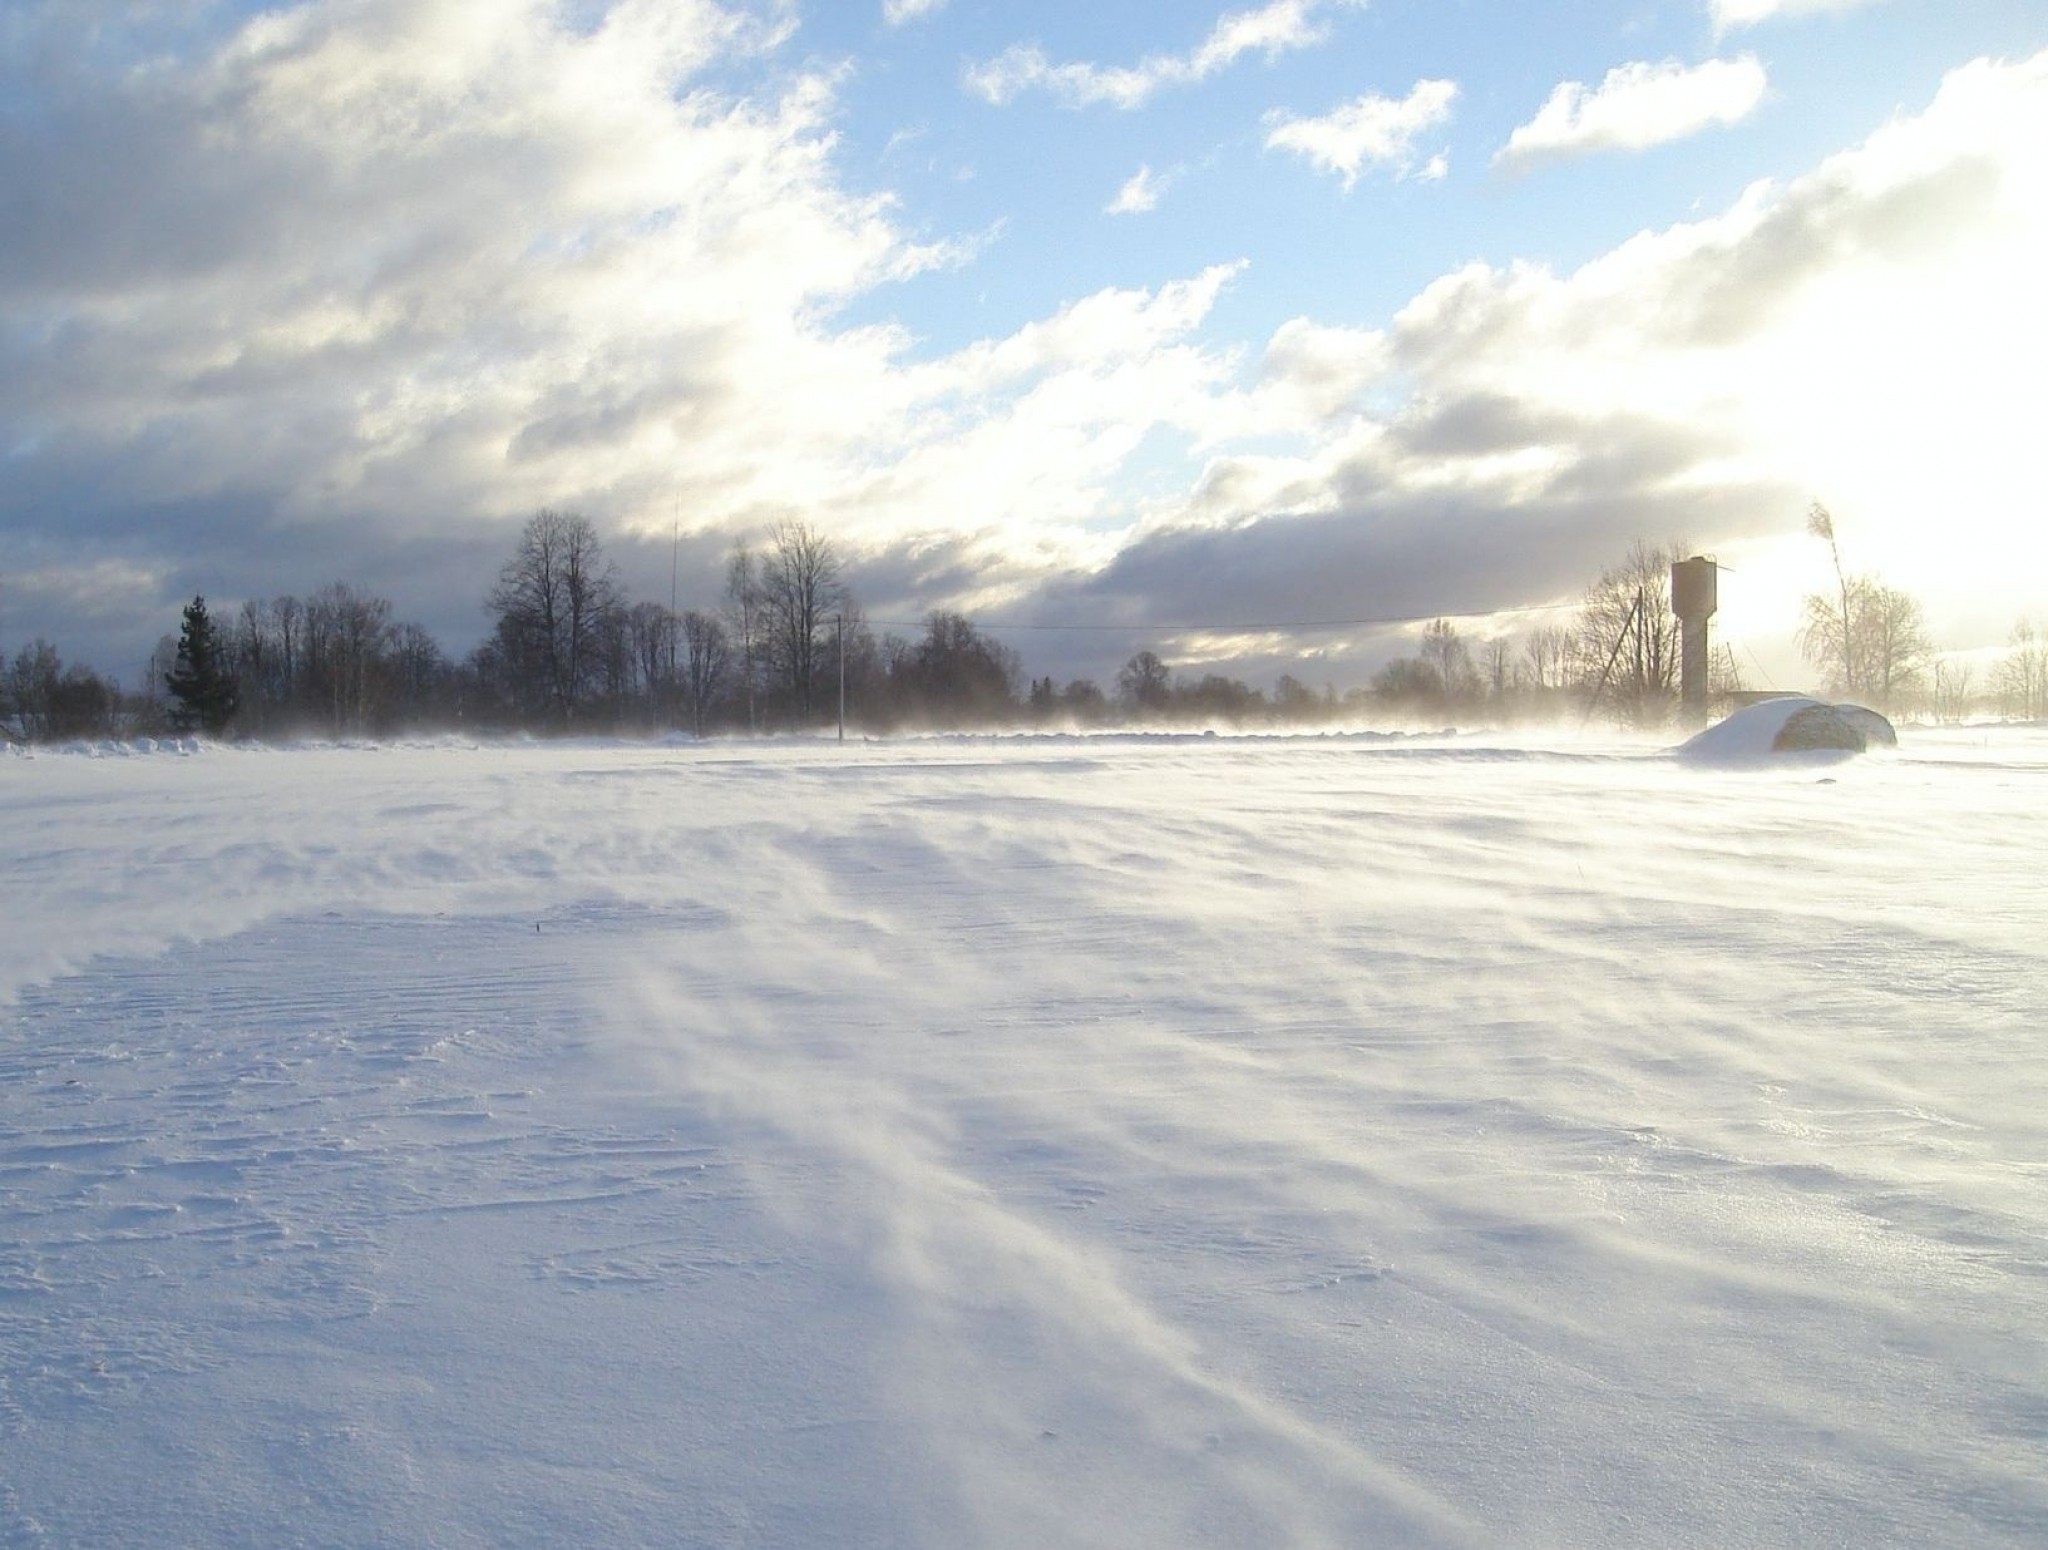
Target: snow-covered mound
[1790, 724]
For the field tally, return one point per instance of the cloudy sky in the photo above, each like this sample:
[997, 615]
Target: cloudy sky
[1289, 321]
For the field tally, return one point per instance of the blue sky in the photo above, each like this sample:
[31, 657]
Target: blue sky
[1135, 314]
[1044, 169]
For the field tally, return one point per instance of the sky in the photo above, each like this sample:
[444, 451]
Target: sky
[1250, 335]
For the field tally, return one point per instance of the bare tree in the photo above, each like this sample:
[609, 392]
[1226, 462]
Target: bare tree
[743, 613]
[651, 634]
[800, 591]
[418, 674]
[1547, 656]
[32, 679]
[1218, 698]
[706, 658]
[1444, 649]
[1870, 639]
[85, 704]
[348, 634]
[614, 666]
[1895, 646]
[1084, 703]
[334, 661]
[288, 621]
[551, 603]
[2021, 677]
[1143, 683]
[1627, 640]
[1293, 700]
[255, 662]
[1834, 622]
[1951, 690]
[956, 675]
[1497, 665]
[1872, 643]
[268, 652]
[1410, 685]
[864, 665]
[54, 702]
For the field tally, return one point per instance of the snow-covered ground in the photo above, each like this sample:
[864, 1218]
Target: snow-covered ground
[1026, 1142]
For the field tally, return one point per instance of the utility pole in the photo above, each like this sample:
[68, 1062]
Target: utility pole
[675, 540]
[840, 621]
[1628, 627]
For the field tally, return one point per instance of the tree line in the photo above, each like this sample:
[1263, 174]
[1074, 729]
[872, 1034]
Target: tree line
[786, 644]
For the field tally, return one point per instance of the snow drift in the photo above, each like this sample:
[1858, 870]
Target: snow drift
[1790, 723]
[1015, 1142]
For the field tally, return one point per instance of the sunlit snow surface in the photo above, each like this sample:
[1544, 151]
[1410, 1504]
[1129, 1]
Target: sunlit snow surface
[1030, 1142]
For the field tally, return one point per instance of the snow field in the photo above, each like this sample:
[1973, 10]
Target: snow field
[1024, 1142]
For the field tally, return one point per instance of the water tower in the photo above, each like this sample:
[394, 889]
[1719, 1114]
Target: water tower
[1694, 596]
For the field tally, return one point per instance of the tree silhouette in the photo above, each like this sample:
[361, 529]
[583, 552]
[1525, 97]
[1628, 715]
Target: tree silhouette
[1870, 639]
[800, 591]
[1144, 682]
[552, 603]
[200, 681]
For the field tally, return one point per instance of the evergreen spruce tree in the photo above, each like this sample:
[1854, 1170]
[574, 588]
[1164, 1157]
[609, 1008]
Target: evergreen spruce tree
[200, 682]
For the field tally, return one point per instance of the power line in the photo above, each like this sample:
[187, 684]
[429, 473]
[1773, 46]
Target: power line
[1257, 627]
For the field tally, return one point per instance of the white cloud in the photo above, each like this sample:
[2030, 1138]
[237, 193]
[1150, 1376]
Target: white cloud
[1100, 332]
[897, 12]
[392, 273]
[1862, 335]
[1638, 106]
[1732, 14]
[1272, 29]
[1139, 194]
[1370, 132]
[403, 264]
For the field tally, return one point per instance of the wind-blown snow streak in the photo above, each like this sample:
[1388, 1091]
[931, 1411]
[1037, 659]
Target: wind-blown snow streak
[1028, 1142]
